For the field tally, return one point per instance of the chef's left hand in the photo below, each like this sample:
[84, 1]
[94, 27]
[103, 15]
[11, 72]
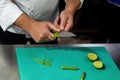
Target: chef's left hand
[64, 21]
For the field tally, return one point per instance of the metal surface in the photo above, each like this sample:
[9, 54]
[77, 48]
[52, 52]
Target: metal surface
[67, 34]
[8, 65]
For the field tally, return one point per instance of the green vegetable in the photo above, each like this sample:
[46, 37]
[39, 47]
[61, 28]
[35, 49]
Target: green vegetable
[56, 35]
[83, 76]
[69, 68]
[44, 61]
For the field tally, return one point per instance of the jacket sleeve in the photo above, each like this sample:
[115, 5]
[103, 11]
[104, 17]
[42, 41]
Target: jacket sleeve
[9, 12]
[81, 3]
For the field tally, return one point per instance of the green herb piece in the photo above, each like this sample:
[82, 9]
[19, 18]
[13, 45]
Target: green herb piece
[43, 62]
[56, 35]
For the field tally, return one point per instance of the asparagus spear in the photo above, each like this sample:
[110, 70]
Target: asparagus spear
[83, 76]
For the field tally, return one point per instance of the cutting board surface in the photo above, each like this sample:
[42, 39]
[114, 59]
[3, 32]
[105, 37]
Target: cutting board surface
[29, 69]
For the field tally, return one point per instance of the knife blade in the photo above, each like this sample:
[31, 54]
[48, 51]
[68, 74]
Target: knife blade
[57, 35]
[64, 34]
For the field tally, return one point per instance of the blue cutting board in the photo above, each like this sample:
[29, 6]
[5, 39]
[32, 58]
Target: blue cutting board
[29, 69]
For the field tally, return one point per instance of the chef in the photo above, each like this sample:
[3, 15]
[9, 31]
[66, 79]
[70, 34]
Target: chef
[23, 20]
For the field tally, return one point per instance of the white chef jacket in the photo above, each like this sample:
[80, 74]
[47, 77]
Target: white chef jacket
[41, 10]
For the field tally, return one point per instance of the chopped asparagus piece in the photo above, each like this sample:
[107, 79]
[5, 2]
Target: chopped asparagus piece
[69, 68]
[83, 76]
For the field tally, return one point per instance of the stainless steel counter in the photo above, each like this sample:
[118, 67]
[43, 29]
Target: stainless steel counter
[8, 65]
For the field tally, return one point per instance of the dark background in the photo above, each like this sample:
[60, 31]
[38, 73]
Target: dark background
[96, 20]
[87, 16]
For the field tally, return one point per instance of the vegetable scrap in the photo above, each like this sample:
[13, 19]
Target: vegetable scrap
[43, 62]
[56, 35]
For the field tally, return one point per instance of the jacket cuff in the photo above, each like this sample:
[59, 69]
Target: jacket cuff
[9, 15]
[81, 1]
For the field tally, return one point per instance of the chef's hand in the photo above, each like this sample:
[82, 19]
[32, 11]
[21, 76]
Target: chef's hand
[41, 31]
[37, 30]
[64, 21]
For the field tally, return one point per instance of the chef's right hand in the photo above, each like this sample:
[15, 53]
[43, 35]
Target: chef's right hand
[41, 30]
[37, 30]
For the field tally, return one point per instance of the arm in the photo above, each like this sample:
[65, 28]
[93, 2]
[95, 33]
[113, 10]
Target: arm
[38, 30]
[65, 20]
[10, 14]
[72, 6]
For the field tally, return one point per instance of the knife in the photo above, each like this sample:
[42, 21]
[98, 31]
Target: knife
[62, 34]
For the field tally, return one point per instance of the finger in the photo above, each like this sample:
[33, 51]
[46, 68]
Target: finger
[47, 37]
[63, 22]
[50, 36]
[40, 38]
[58, 39]
[57, 21]
[37, 38]
[69, 25]
[53, 27]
